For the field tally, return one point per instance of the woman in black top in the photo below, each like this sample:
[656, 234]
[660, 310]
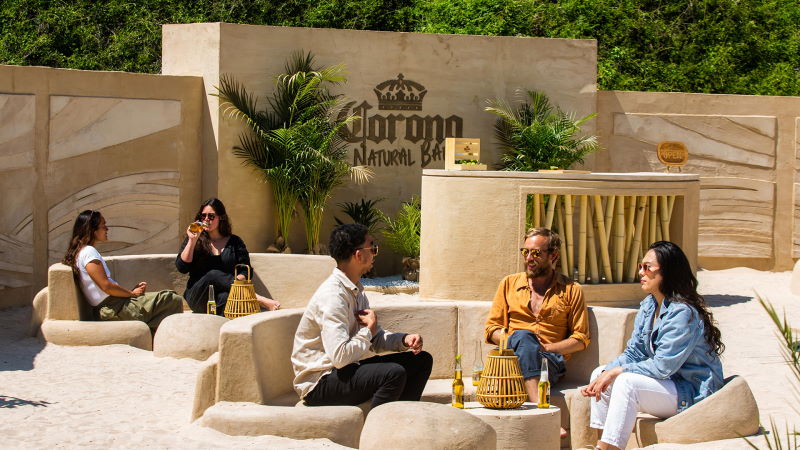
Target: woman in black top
[210, 258]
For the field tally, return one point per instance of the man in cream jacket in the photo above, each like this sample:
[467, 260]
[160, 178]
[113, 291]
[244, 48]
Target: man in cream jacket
[339, 355]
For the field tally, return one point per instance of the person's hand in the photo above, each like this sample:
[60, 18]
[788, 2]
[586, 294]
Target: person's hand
[368, 318]
[268, 303]
[192, 236]
[240, 277]
[414, 342]
[139, 289]
[601, 383]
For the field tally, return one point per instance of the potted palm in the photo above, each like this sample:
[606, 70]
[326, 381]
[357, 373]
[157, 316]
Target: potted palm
[535, 135]
[295, 143]
[402, 235]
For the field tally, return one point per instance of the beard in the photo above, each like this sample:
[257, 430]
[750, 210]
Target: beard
[542, 269]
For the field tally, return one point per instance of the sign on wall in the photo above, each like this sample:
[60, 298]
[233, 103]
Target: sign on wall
[400, 132]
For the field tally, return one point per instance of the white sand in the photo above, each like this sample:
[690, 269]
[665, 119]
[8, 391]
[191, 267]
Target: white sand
[121, 397]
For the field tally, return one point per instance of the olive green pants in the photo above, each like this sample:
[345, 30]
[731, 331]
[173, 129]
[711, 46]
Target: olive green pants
[151, 308]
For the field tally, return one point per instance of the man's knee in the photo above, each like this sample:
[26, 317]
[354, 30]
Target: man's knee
[394, 374]
[424, 360]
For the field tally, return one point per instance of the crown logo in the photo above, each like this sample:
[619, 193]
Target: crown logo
[400, 94]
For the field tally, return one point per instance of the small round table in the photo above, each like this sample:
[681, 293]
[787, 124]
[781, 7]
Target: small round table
[526, 427]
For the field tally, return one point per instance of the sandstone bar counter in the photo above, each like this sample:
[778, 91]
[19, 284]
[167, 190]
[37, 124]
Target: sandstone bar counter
[473, 223]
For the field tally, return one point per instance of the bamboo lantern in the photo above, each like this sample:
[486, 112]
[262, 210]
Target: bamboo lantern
[502, 385]
[242, 298]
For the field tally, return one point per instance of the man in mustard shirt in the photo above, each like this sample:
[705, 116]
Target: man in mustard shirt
[544, 311]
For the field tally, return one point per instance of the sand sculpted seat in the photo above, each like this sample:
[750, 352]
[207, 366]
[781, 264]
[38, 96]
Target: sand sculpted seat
[422, 425]
[193, 336]
[65, 316]
[254, 360]
[729, 413]
[62, 315]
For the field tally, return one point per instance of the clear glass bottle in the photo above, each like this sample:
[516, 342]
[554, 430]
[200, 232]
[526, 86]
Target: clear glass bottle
[458, 385]
[477, 365]
[211, 306]
[544, 387]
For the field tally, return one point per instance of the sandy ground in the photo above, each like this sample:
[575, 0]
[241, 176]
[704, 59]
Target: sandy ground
[121, 397]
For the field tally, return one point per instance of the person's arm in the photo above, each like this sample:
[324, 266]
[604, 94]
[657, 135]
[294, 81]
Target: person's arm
[578, 319]
[499, 310]
[679, 333]
[186, 254]
[341, 348]
[98, 274]
[564, 347]
[383, 341]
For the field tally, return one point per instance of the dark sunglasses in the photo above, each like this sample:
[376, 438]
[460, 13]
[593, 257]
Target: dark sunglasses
[209, 216]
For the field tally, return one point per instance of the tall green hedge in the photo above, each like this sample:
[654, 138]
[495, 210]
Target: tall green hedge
[714, 46]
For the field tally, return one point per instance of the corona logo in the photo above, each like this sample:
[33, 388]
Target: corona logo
[400, 95]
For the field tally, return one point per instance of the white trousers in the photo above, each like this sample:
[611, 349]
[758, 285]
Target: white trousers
[615, 412]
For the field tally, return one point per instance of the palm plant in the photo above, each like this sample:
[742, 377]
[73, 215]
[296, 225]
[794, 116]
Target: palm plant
[791, 354]
[295, 144]
[403, 236]
[364, 212]
[534, 135]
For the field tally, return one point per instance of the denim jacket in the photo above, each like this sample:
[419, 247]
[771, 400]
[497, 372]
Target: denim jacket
[675, 350]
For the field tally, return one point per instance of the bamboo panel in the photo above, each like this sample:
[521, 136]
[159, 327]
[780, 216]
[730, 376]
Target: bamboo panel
[605, 261]
[569, 237]
[603, 237]
[619, 238]
[609, 216]
[651, 237]
[663, 210]
[551, 207]
[584, 203]
[591, 244]
[537, 210]
[563, 249]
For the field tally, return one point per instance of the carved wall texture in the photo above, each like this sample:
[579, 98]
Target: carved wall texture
[16, 171]
[124, 144]
[739, 146]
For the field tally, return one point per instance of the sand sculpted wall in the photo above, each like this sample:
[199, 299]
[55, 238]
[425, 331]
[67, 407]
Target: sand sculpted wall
[146, 149]
[744, 148]
[73, 140]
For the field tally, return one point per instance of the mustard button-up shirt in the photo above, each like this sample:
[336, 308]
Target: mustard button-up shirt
[563, 313]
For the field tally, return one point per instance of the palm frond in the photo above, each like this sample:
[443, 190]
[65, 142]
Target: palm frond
[535, 135]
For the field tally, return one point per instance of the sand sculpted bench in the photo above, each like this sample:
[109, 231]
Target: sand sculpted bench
[62, 316]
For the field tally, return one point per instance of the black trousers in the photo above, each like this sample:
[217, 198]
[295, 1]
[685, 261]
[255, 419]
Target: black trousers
[197, 295]
[385, 378]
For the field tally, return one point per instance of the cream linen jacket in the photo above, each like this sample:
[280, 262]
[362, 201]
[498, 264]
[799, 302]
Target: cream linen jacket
[329, 336]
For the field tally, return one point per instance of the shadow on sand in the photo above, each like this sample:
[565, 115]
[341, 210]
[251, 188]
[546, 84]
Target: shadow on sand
[14, 402]
[18, 349]
[715, 300]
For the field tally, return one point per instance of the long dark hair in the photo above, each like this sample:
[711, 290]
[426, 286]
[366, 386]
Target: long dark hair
[225, 229]
[679, 284]
[82, 235]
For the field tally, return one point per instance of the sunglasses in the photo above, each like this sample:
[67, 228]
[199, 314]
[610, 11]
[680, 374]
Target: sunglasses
[207, 216]
[373, 249]
[535, 252]
[647, 268]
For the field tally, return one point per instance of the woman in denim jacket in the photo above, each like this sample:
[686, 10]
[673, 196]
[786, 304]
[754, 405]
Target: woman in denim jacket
[672, 358]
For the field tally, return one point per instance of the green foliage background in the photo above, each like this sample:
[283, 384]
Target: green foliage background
[713, 46]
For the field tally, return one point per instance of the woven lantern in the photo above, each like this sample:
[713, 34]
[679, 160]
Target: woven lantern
[242, 298]
[502, 385]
